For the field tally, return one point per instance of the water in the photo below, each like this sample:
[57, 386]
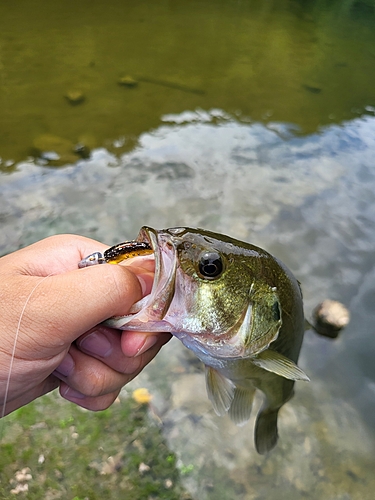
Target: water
[305, 63]
[279, 151]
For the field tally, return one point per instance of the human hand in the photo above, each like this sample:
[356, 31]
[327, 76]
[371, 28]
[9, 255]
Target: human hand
[50, 331]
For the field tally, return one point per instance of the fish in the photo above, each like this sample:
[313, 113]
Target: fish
[237, 307]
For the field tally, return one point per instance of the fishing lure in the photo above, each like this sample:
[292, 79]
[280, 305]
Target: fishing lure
[117, 254]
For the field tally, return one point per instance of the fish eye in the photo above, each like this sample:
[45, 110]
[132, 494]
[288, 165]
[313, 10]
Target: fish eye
[210, 265]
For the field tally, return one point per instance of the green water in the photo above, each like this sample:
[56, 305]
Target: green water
[307, 63]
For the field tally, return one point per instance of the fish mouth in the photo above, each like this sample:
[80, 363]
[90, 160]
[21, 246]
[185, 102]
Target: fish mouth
[151, 237]
[149, 312]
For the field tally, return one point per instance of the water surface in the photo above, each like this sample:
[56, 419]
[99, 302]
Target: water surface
[305, 63]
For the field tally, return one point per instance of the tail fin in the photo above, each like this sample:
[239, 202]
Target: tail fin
[266, 431]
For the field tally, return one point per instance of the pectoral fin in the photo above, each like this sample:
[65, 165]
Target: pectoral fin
[274, 362]
[220, 391]
[240, 409]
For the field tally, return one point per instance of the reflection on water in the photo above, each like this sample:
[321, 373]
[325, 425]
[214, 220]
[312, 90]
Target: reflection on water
[310, 201]
[278, 149]
[306, 63]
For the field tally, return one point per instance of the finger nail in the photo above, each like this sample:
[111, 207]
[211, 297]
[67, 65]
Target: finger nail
[97, 344]
[70, 393]
[146, 281]
[148, 343]
[66, 366]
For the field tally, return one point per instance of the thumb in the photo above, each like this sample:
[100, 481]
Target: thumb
[67, 305]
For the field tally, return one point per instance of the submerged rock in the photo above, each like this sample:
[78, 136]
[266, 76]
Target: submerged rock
[75, 97]
[54, 150]
[127, 81]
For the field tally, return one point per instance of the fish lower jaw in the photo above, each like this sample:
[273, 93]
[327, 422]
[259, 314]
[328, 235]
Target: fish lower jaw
[217, 348]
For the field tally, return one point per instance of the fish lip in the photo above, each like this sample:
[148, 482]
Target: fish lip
[165, 254]
[149, 235]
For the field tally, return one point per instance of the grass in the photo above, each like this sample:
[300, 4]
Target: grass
[58, 450]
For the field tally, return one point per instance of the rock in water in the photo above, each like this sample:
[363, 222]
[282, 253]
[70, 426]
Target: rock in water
[330, 317]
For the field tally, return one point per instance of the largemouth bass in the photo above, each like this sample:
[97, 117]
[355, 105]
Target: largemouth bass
[238, 308]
